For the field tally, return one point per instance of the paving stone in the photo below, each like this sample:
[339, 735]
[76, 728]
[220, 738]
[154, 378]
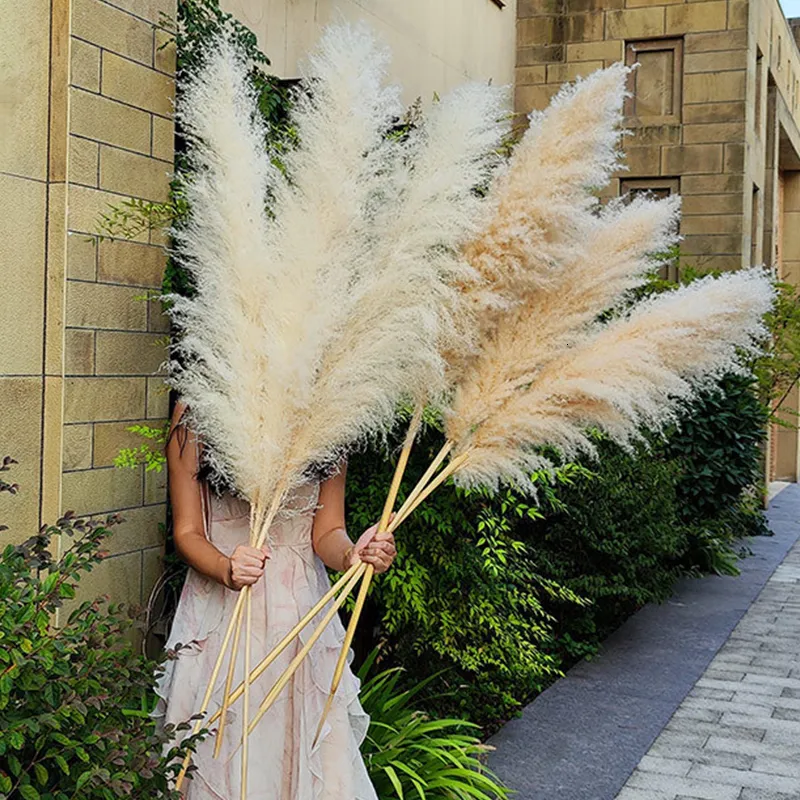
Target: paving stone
[664, 765]
[739, 778]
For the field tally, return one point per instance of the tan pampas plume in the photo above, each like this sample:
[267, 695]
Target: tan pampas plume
[542, 200]
[630, 373]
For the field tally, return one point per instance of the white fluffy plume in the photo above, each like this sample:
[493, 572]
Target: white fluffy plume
[310, 321]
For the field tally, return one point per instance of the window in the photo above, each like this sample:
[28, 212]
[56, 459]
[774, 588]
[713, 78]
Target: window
[755, 228]
[658, 188]
[656, 82]
[759, 90]
[655, 187]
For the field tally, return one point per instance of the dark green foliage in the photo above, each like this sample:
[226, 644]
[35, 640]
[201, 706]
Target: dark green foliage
[74, 699]
[464, 594]
[618, 540]
[718, 443]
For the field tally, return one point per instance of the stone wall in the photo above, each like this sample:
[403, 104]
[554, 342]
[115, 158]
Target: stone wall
[435, 44]
[688, 110]
[92, 127]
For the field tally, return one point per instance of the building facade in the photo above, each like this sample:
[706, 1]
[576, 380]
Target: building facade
[87, 93]
[713, 114]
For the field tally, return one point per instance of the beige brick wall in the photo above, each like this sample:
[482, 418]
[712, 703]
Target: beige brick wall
[435, 44]
[121, 130]
[89, 99]
[702, 143]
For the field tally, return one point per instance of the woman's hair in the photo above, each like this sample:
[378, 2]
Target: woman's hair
[217, 483]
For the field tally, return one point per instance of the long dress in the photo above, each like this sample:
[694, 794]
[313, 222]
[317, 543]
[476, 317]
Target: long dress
[283, 761]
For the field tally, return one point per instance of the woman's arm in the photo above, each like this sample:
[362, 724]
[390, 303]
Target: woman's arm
[246, 564]
[331, 542]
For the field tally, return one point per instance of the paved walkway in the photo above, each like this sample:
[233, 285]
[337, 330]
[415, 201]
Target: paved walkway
[736, 736]
[696, 699]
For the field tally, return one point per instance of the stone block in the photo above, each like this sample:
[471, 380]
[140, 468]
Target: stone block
[95, 491]
[137, 85]
[737, 13]
[734, 158]
[712, 224]
[111, 437]
[673, 785]
[105, 120]
[112, 29]
[647, 135]
[117, 577]
[706, 87]
[88, 206]
[708, 113]
[692, 158]
[535, 8]
[83, 161]
[25, 44]
[712, 184]
[541, 30]
[157, 319]
[525, 76]
[81, 257]
[712, 263]
[20, 434]
[529, 98]
[642, 3]
[696, 17]
[719, 132]
[151, 10]
[720, 40]
[134, 175]
[164, 51]
[563, 73]
[715, 61]
[131, 263]
[78, 351]
[635, 23]
[578, 6]
[85, 65]
[77, 445]
[711, 204]
[586, 27]
[711, 246]
[157, 399]
[155, 487]
[104, 399]
[125, 353]
[163, 139]
[596, 51]
[100, 305]
[642, 161]
[738, 778]
[22, 247]
[542, 54]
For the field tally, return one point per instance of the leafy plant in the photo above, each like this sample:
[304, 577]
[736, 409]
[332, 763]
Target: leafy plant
[153, 458]
[74, 697]
[464, 596]
[408, 754]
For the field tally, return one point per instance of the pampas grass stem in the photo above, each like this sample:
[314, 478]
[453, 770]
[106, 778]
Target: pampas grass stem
[263, 665]
[391, 498]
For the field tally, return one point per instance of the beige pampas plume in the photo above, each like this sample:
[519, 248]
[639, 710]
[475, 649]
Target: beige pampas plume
[543, 198]
[629, 373]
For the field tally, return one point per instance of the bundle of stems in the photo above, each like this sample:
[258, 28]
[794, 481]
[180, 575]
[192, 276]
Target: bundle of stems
[558, 346]
[288, 352]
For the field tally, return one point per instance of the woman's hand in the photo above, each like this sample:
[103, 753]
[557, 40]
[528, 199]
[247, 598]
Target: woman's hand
[373, 548]
[246, 566]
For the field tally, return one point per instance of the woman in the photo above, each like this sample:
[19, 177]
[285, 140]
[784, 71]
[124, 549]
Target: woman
[287, 577]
